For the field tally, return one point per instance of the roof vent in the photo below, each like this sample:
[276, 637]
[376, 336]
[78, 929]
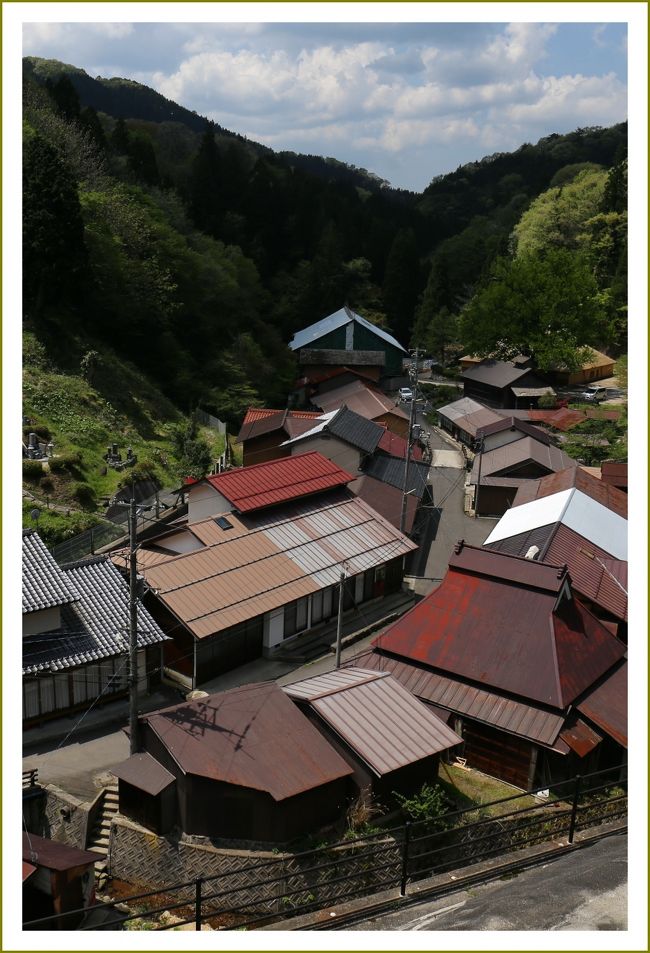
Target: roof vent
[222, 522]
[533, 552]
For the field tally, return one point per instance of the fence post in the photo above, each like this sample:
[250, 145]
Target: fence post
[574, 808]
[405, 859]
[197, 904]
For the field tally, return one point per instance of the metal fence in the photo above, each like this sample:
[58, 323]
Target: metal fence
[260, 894]
[207, 420]
[88, 542]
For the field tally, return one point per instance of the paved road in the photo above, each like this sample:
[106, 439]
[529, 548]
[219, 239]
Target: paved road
[585, 890]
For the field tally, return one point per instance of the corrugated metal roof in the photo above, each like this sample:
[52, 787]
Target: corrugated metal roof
[267, 421]
[391, 470]
[269, 559]
[395, 446]
[516, 717]
[472, 423]
[580, 737]
[93, 628]
[379, 719]
[44, 583]
[54, 854]
[521, 572]
[366, 401]
[461, 408]
[337, 320]
[506, 634]
[277, 481]
[143, 772]
[594, 574]
[252, 737]
[511, 456]
[614, 474]
[606, 705]
[573, 508]
[578, 478]
[495, 373]
[532, 391]
[387, 500]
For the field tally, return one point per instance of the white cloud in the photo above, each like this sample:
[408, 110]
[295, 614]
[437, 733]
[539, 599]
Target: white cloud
[584, 100]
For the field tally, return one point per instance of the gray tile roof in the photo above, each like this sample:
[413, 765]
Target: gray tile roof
[355, 429]
[391, 470]
[93, 628]
[44, 583]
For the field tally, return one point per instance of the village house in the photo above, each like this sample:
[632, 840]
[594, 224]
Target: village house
[575, 519]
[345, 339]
[76, 634]
[263, 432]
[597, 367]
[260, 560]
[463, 418]
[391, 740]
[524, 672]
[368, 402]
[241, 764]
[504, 384]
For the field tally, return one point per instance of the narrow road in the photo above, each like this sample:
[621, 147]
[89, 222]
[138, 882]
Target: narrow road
[584, 890]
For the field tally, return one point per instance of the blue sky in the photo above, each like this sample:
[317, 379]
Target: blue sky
[407, 101]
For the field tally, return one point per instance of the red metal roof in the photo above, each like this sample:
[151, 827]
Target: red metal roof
[395, 446]
[580, 737]
[606, 705]
[577, 477]
[252, 737]
[594, 573]
[278, 481]
[445, 693]
[505, 633]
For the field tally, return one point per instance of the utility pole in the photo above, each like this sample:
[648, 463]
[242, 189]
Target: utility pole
[133, 629]
[339, 620]
[413, 374]
[478, 481]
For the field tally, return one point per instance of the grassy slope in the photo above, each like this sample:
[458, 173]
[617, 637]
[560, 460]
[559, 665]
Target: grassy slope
[120, 405]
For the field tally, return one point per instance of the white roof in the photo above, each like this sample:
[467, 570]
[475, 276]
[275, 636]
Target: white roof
[323, 422]
[575, 510]
[333, 321]
[460, 408]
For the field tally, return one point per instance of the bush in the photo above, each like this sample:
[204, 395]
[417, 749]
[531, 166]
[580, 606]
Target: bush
[32, 470]
[47, 485]
[547, 402]
[84, 494]
[42, 432]
[429, 804]
[70, 462]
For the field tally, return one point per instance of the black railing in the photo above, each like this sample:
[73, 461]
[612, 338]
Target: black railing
[30, 779]
[323, 877]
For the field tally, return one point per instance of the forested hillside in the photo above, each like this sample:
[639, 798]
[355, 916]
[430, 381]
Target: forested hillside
[196, 254]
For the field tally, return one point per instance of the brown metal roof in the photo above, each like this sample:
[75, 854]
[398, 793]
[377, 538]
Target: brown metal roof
[143, 772]
[505, 631]
[614, 473]
[506, 460]
[512, 423]
[580, 737]
[495, 373]
[516, 717]
[268, 559]
[252, 737]
[386, 499]
[606, 705]
[28, 871]
[290, 421]
[472, 423]
[363, 400]
[594, 573]
[54, 855]
[377, 717]
[577, 477]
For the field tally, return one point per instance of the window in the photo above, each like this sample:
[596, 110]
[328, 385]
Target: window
[222, 522]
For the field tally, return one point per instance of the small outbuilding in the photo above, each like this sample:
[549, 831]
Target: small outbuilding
[57, 878]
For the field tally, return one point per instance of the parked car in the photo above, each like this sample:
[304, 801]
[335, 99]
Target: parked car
[405, 394]
[594, 393]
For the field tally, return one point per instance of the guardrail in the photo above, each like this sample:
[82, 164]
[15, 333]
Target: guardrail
[395, 857]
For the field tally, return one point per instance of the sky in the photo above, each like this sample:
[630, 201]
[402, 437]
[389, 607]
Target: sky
[404, 100]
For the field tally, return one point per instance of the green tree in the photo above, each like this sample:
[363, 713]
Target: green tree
[402, 283]
[558, 217]
[204, 185]
[54, 253]
[546, 306]
[142, 158]
[89, 120]
[120, 137]
[64, 96]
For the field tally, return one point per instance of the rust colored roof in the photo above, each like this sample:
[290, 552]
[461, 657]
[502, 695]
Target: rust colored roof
[54, 855]
[395, 446]
[387, 500]
[594, 573]
[499, 628]
[447, 693]
[613, 473]
[560, 419]
[363, 400]
[606, 705]
[143, 772]
[258, 422]
[28, 871]
[251, 737]
[278, 481]
[265, 560]
[577, 477]
[376, 716]
[580, 737]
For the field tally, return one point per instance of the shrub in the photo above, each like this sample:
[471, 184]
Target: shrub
[32, 470]
[430, 803]
[41, 431]
[47, 485]
[547, 402]
[65, 461]
[84, 494]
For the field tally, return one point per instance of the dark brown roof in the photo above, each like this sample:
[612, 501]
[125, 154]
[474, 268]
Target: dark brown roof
[512, 423]
[54, 855]
[594, 573]
[614, 473]
[495, 373]
[499, 627]
[576, 477]
[143, 772]
[256, 424]
[252, 737]
[606, 705]
[386, 500]
[450, 694]
[506, 460]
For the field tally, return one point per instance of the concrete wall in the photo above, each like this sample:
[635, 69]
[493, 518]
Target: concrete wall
[345, 456]
[204, 501]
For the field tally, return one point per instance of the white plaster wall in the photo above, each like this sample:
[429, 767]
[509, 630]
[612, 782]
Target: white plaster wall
[204, 501]
[273, 627]
[333, 449]
[43, 620]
